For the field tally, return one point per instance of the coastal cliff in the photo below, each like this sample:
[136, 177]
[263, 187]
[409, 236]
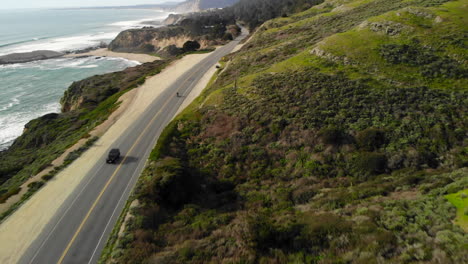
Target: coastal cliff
[206, 29]
[90, 92]
[147, 40]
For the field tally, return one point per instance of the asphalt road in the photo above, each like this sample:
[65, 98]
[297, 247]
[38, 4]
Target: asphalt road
[80, 229]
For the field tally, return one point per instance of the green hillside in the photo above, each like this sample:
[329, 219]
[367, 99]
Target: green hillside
[344, 141]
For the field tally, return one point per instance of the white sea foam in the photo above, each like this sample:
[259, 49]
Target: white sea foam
[89, 66]
[78, 42]
[62, 43]
[12, 125]
[15, 100]
[8, 106]
[15, 112]
[140, 22]
[54, 64]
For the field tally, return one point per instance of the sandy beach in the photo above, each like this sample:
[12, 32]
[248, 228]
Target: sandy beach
[45, 203]
[142, 58]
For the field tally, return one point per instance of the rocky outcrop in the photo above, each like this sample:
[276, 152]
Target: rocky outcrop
[173, 19]
[88, 93]
[152, 40]
[388, 27]
[148, 39]
[29, 56]
[208, 28]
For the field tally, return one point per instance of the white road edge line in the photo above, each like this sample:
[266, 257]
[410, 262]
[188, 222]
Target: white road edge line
[113, 213]
[123, 194]
[61, 218]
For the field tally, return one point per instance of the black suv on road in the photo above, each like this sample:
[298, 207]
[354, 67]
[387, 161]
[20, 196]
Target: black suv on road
[114, 155]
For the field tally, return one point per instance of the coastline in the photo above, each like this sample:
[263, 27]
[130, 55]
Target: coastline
[20, 59]
[123, 101]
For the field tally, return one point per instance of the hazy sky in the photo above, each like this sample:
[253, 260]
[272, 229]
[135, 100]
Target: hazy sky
[10, 4]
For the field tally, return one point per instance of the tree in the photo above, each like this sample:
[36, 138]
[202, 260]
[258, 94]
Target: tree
[191, 46]
[148, 48]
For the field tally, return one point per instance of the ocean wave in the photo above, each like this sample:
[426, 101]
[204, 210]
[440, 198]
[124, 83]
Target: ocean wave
[78, 41]
[130, 24]
[62, 43]
[62, 63]
[15, 100]
[21, 42]
[89, 66]
[12, 125]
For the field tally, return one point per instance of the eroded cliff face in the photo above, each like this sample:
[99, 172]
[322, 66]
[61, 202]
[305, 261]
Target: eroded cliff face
[153, 40]
[173, 19]
[148, 40]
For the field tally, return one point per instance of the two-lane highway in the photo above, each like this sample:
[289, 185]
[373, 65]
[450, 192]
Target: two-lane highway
[79, 230]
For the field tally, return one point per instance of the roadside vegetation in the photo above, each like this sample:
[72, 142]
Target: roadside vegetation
[338, 134]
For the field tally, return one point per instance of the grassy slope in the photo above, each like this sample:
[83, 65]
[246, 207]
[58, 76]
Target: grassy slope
[460, 200]
[337, 145]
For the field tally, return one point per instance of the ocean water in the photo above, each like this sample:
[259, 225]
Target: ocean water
[60, 30]
[30, 90]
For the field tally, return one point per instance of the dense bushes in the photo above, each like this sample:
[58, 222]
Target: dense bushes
[310, 165]
[432, 66]
[253, 154]
[172, 186]
[369, 164]
[332, 135]
[256, 12]
[410, 54]
[191, 46]
[370, 139]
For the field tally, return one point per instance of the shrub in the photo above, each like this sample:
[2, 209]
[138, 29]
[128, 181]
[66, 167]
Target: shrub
[228, 36]
[444, 68]
[303, 195]
[13, 191]
[148, 48]
[332, 135]
[48, 176]
[319, 229]
[433, 66]
[409, 54]
[172, 185]
[369, 163]
[171, 51]
[264, 234]
[34, 186]
[370, 139]
[191, 46]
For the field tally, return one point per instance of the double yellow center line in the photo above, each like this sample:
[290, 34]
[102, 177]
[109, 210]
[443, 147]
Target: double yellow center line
[65, 252]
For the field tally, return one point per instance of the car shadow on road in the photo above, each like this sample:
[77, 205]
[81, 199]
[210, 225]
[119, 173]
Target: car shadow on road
[128, 160]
